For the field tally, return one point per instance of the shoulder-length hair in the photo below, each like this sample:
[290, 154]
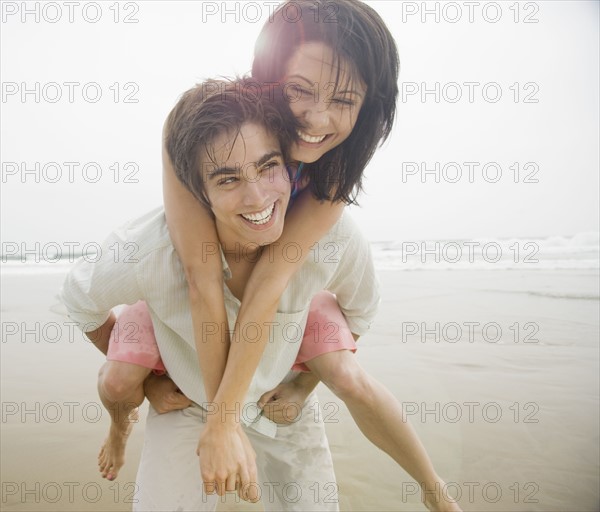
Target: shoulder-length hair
[358, 36]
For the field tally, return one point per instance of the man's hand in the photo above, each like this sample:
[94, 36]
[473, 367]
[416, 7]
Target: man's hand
[164, 395]
[284, 404]
[227, 461]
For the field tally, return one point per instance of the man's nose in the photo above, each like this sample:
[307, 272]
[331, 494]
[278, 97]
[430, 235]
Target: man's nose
[255, 191]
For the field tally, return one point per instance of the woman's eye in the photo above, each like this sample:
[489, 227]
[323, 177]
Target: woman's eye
[344, 102]
[298, 92]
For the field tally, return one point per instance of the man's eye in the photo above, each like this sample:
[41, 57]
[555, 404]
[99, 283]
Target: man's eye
[271, 165]
[227, 181]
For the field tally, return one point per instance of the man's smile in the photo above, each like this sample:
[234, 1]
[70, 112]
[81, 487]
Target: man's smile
[261, 217]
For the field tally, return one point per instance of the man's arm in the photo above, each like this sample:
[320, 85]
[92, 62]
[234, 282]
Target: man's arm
[355, 282]
[92, 288]
[283, 403]
[100, 337]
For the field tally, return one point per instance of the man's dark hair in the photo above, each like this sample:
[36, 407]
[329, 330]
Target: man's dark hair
[210, 109]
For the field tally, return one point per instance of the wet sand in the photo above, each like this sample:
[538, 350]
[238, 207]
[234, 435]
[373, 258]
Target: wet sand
[503, 392]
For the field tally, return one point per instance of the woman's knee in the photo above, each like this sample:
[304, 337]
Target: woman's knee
[117, 380]
[344, 376]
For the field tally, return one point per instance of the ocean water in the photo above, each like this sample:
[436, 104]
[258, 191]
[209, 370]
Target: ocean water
[578, 252]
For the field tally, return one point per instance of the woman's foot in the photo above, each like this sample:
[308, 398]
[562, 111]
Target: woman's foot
[437, 498]
[112, 453]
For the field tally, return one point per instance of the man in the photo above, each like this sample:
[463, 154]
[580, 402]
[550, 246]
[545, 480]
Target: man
[229, 136]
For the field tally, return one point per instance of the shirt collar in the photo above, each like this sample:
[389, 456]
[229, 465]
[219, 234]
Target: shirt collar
[226, 270]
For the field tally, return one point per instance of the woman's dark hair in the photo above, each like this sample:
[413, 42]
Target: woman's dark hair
[210, 109]
[358, 36]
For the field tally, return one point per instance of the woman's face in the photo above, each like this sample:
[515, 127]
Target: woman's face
[327, 112]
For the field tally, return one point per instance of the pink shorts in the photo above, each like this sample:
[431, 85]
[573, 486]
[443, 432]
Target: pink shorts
[326, 331]
[132, 339]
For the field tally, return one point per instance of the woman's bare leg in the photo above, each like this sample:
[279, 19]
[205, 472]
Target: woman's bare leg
[379, 416]
[121, 390]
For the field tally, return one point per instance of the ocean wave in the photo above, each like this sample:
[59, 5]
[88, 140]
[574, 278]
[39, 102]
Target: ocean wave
[572, 296]
[580, 252]
[577, 252]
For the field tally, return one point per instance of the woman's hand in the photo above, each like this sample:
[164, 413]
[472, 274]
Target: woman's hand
[284, 404]
[227, 461]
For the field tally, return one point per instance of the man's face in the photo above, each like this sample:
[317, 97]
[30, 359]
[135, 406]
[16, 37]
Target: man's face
[247, 185]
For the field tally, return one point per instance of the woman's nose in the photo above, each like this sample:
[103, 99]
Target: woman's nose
[317, 118]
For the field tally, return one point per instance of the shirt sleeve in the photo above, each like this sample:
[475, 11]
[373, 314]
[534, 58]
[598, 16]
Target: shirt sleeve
[97, 284]
[354, 282]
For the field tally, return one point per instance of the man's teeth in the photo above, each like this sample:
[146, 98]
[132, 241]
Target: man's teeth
[260, 217]
[308, 138]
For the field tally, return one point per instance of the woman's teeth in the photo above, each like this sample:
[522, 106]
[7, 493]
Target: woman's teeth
[260, 217]
[309, 138]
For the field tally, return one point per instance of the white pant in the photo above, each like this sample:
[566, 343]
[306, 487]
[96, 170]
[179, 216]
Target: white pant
[295, 470]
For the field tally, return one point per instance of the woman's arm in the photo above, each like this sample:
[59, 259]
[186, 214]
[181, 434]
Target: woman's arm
[192, 230]
[305, 224]
[219, 449]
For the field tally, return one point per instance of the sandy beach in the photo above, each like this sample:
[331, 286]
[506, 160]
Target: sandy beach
[496, 370]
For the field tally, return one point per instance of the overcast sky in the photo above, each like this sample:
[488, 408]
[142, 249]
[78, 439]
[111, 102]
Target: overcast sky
[515, 101]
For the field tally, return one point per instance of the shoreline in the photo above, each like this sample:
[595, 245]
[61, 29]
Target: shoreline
[515, 413]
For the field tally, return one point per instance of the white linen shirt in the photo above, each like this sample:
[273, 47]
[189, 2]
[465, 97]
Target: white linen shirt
[138, 262]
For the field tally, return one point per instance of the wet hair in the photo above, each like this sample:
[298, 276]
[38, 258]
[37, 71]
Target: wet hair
[358, 37]
[210, 109]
